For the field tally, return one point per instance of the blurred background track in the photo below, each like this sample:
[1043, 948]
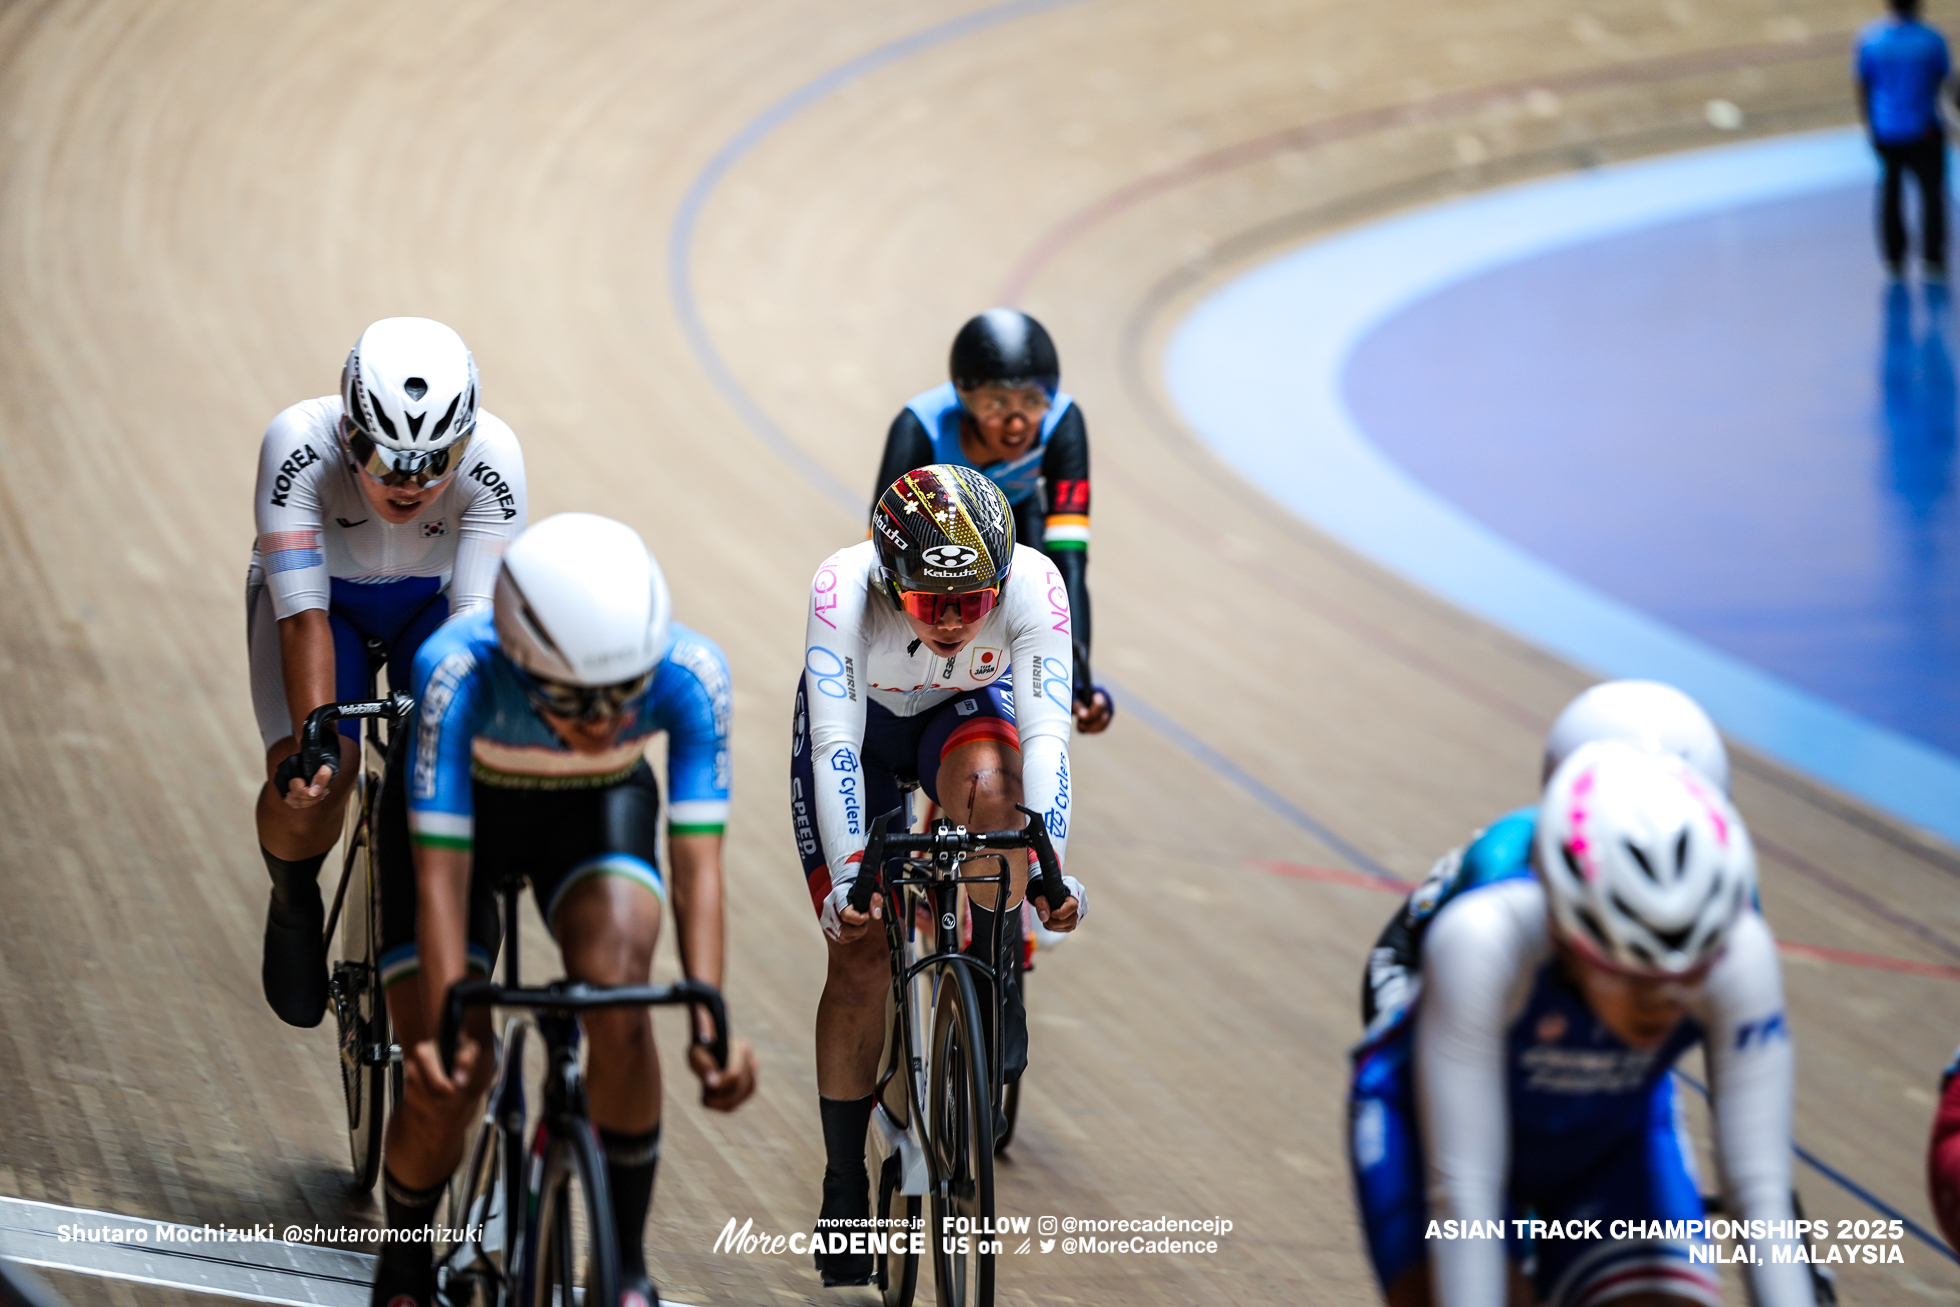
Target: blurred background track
[201, 205]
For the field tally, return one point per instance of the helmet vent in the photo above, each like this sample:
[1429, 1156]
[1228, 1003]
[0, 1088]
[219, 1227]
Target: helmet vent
[1681, 853]
[1571, 861]
[447, 416]
[1676, 940]
[1593, 928]
[381, 416]
[1633, 850]
[416, 387]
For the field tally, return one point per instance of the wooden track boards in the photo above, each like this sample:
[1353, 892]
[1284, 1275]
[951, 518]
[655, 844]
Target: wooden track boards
[203, 204]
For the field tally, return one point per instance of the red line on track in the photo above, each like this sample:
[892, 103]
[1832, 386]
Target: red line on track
[1874, 961]
[1816, 952]
[1334, 876]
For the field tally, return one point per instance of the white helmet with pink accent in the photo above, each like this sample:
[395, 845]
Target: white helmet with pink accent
[1644, 863]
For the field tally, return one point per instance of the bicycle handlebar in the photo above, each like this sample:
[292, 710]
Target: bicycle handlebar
[577, 996]
[958, 840]
[317, 747]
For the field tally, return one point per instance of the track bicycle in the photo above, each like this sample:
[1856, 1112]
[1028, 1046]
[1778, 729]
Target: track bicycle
[935, 1099]
[556, 1245]
[370, 1063]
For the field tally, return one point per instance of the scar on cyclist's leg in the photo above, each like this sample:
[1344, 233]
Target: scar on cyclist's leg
[606, 927]
[979, 784]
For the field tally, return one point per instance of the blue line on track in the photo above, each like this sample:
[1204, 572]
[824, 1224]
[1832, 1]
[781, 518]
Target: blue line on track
[680, 251]
[1252, 785]
[1849, 1185]
[681, 281]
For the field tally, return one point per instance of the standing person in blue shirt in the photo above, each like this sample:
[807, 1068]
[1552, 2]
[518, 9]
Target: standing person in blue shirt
[1004, 413]
[1902, 65]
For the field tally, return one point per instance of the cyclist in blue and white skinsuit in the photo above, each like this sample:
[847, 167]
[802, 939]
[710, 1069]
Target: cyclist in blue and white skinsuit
[528, 760]
[1531, 1079]
[1646, 714]
[380, 511]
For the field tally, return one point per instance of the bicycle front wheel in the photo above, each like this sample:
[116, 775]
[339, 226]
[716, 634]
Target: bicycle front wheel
[960, 1122]
[894, 1266]
[360, 1014]
[573, 1253]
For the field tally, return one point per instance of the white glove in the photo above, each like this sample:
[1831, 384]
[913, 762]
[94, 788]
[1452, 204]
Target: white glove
[1081, 895]
[835, 902]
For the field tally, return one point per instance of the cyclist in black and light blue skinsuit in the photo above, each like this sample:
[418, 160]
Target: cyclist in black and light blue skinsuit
[527, 760]
[1644, 713]
[1004, 414]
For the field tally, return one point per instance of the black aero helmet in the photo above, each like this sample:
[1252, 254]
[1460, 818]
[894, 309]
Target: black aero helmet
[1005, 347]
[943, 530]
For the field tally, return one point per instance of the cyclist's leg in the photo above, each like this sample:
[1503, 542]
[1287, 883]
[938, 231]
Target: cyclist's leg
[601, 893]
[969, 760]
[851, 1012]
[1648, 1177]
[424, 1140]
[970, 757]
[293, 842]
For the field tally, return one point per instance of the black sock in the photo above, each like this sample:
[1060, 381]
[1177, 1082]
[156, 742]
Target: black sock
[631, 1161]
[1014, 1038]
[845, 1121]
[408, 1209]
[295, 886]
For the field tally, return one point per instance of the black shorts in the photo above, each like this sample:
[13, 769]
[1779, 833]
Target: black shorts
[554, 838]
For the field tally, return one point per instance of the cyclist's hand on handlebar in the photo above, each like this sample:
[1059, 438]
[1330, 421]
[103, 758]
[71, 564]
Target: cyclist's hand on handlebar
[724, 1088]
[293, 788]
[1093, 714]
[446, 1092]
[1067, 917]
[844, 923]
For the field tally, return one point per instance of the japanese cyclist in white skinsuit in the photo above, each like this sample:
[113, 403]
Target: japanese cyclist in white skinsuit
[938, 650]
[381, 511]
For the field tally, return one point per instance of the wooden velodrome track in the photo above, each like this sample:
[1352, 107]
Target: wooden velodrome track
[203, 203]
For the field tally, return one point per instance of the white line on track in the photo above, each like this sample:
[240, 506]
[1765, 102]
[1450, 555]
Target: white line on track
[177, 1257]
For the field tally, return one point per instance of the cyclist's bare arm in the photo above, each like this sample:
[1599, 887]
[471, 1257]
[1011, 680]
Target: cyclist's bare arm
[442, 888]
[700, 920]
[306, 664]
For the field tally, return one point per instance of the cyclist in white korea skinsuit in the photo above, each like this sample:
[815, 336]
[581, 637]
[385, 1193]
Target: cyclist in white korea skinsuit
[938, 650]
[381, 511]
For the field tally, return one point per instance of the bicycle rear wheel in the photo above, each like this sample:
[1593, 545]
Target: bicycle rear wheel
[360, 1013]
[573, 1253]
[960, 1124]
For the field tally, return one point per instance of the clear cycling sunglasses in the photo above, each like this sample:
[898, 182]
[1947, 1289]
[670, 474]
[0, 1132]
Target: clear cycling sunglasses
[995, 400]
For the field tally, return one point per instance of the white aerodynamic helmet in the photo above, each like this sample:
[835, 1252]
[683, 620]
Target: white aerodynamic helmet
[580, 602]
[1646, 714]
[1645, 865]
[409, 393]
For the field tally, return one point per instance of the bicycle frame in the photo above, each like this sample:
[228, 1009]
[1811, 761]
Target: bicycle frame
[937, 887]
